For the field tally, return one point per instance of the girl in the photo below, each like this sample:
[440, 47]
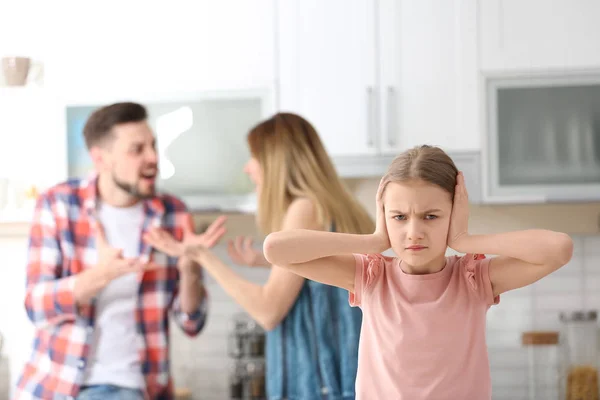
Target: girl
[423, 331]
[312, 343]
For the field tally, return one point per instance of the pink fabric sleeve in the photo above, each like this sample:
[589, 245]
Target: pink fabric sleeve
[367, 269]
[477, 271]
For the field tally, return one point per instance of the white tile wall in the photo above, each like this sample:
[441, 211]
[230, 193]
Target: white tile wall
[537, 307]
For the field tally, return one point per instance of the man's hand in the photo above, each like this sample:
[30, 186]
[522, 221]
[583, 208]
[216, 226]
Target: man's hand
[111, 263]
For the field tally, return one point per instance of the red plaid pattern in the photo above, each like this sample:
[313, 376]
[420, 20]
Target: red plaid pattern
[62, 244]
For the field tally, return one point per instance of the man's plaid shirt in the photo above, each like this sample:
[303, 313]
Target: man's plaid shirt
[62, 244]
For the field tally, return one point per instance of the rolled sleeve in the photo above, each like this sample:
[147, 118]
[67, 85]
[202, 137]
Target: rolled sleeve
[49, 298]
[193, 323]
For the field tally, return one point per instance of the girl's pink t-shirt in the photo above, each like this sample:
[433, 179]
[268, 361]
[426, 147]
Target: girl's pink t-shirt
[423, 336]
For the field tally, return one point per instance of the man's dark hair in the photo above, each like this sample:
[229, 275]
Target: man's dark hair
[99, 125]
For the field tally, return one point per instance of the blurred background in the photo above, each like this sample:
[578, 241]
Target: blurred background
[509, 88]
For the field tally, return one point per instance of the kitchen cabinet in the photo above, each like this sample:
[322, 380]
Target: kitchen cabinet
[378, 77]
[428, 74]
[146, 47]
[542, 139]
[539, 34]
[327, 70]
[34, 153]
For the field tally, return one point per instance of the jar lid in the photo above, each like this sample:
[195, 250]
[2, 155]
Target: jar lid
[535, 338]
[579, 316]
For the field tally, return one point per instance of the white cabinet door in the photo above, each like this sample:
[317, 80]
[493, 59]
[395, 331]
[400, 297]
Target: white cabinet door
[146, 47]
[29, 121]
[327, 74]
[539, 34]
[428, 74]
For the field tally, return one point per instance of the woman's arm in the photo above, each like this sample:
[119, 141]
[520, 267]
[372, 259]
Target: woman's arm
[270, 303]
[267, 304]
[523, 256]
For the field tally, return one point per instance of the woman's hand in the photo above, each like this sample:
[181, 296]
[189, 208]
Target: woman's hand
[242, 252]
[211, 236]
[165, 242]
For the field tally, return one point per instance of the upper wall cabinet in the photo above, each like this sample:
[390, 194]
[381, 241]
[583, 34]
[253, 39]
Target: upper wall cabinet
[328, 70]
[428, 71]
[377, 77]
[144, 48]
[539, 35]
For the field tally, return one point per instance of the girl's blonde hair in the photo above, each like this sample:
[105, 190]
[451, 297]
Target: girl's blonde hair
[427, 163]
[295, 164]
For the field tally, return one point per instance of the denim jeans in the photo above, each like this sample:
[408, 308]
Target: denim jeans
[109, 392]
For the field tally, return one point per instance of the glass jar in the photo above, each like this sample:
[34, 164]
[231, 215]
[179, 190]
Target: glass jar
[247, 380]
[543, 364]
[256, 380]
[236, 382]
[255, 344]
[579, 340]
[237, 339]
[246, 339]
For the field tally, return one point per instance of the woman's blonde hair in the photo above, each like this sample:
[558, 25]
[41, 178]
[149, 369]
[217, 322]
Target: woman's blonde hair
[427, 163]
[295, 164]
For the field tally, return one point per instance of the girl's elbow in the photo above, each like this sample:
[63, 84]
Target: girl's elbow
[564, 249]
[270, 249]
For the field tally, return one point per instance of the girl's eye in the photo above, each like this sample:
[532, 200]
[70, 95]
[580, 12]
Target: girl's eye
[400, 217]
[430, 217]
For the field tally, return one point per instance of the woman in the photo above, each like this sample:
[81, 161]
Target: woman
[312, 339]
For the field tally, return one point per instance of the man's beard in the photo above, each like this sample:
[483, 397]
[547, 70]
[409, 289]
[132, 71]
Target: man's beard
[132, 189]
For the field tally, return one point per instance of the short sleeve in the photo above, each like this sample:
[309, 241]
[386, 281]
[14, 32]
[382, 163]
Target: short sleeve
[368, 267]
[477, 272]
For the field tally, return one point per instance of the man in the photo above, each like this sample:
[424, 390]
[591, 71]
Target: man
[98, 295]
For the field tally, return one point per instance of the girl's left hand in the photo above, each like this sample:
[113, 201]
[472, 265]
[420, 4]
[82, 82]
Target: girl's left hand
[459, 219]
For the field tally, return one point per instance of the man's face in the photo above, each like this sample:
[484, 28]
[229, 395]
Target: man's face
[129, 157]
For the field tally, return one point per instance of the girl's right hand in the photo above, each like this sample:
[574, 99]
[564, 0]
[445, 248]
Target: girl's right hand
[382, 239]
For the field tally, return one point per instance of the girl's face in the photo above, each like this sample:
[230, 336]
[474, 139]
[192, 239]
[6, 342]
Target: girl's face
[417, 219]
[254, 172]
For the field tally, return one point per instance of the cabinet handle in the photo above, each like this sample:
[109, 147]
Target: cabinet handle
[371, 130]
[391, 116]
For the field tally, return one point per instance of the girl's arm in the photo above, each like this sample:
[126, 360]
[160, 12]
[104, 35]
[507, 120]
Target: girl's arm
[524, 257]
[325, 257]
